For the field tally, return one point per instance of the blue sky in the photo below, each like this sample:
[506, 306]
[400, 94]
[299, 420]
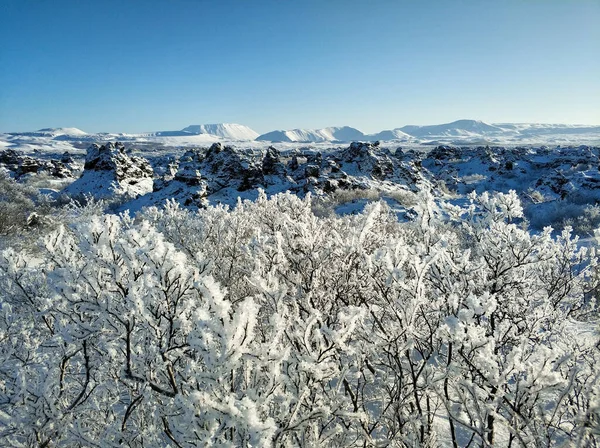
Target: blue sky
[133, 66]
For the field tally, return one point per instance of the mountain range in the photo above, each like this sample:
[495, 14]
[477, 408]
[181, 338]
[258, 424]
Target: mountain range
[460, 131]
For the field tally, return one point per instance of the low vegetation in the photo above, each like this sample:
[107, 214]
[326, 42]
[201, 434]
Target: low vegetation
[266, 325]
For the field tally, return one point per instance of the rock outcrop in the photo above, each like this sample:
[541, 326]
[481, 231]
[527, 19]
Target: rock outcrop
[220, 167]
[271, 163]
[221, 174]
[224, 166]
[20, 165]
[109, 171]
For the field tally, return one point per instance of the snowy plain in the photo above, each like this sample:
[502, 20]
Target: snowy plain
[335, 305]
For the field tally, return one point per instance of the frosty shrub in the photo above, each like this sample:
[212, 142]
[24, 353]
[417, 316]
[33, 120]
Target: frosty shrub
[342, 196]
[585, 223]
[46, 180]
[16, 205]
[583, 219]
[265, 325]
[406, 198]
[324, 206]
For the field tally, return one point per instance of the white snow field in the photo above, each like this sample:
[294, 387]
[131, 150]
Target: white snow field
[461, 132]
[227, 131]
[426, 286]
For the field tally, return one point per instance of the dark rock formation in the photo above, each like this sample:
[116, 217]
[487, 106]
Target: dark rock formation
[368, 159]
[223, 166]
[21, 165]
[188, 170]
[113, 157]
[110, 171]
[271, 163]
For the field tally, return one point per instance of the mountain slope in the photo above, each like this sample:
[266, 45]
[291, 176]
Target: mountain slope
[459, 128]
[394, 134]
[540, 129]
[330, 134]
[230, 131]
[53, 132]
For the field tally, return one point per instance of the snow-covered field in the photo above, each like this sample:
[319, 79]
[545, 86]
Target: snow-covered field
[461, 132]
[213, 287]
[558, 183]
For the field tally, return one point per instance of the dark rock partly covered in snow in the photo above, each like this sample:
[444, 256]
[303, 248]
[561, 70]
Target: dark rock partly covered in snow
[444, 152]
[113, 157]
[368, 159]
[203, 172]
[188, 170]
[222, 173]
[28, 165]
[61, 170]
[359, 166]
[67, 158]
[224, 166]
[271, 162]
[110, 171]
[21, 165]
[10, 159]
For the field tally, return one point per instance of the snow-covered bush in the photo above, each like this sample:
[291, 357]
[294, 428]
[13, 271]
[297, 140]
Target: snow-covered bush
[16, 205]
[266, 325]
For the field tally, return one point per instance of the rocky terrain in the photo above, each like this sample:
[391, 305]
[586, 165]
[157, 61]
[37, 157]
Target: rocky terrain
[553, 183]
[19, 165]
[221, 174]
[109, 171]
[460, 132]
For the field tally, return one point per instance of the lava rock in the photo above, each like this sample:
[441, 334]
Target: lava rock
[110, 171]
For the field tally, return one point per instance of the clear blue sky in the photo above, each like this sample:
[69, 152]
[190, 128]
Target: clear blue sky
[132, 66]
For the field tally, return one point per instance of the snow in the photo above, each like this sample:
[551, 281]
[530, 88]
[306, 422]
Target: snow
[55, 132]
[394, 134]
[458, 128]
[63, 131]
[460, 132]
[184, 140]
[222, 331]
[230, 131]
[331, 134]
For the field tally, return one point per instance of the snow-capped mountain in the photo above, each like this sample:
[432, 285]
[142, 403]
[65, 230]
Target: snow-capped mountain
[195, 135]
[541, 129]
[393, 134]
[53, 132]
[331, 134]
[457, 132]
[228, 131]
[473, 131]
[461, 132]
[460, 128]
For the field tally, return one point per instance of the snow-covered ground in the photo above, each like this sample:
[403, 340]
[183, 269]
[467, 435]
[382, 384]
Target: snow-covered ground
[461, 132]
[413, 180]
[558, 184]
[553, 167]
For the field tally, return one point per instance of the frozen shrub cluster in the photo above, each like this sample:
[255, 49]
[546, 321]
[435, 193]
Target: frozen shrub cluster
[265, 325]
[19, 206]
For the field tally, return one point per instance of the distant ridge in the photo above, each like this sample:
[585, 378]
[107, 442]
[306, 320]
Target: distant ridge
[459, 128]
[53, 132]
[231, 131]
[331, 134]
[457, 132]
[394, 134]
